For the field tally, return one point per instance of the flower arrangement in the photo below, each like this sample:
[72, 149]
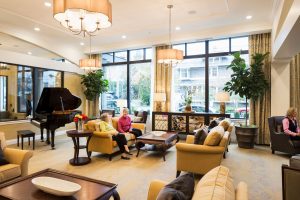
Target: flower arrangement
[80, 117]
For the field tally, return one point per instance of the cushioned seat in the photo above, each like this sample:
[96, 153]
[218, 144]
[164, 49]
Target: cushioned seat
[102, 142]
[9, 171]
[215, 185]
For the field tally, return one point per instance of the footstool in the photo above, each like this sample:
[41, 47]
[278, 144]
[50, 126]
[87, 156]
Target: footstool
[25, 134]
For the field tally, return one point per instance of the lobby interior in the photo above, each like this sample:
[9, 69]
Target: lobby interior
[37, 52]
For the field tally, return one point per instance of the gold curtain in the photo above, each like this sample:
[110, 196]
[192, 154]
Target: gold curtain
[261, 43]
[295, 82]
[163, 82]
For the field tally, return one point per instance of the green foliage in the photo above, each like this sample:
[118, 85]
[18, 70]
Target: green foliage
[247, 82]
[94, 84]
[189, 98]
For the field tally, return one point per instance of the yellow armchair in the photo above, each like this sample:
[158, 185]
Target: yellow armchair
[102, 142]
[18, 162]
[199, 159]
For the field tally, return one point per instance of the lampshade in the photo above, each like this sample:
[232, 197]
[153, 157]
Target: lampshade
[160, 97]
[222, 96]
[169, 56]
[89, 64]
[87, 16]
[121, 103]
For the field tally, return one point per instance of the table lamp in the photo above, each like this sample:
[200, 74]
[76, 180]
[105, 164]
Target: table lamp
[121, 103]
[159, 97]
[222, 97]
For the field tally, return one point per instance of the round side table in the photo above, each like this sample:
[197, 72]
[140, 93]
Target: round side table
[76, 135]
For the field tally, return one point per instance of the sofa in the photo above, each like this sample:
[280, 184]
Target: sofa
[214, 185]
[18, 161]
[102, 142]
[200, 159]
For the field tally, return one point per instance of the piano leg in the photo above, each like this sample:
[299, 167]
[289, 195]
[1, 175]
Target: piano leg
[42, 134]
[52, 139]
[48, 137]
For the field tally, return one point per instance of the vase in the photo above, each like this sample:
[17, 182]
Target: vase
[80, 125]
[188, 108]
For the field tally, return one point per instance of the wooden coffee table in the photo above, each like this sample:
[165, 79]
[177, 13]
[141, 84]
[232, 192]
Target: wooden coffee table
[162, 143]
[22, 188]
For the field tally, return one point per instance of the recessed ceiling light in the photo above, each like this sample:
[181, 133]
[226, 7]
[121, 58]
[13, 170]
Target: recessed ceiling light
[47, 4]
[37, 29]
[29, 53]
[124, 36]
[81, 43]
[249, 17]
[177, 28]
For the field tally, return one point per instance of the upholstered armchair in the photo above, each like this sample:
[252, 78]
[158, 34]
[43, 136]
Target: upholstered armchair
[279, 140]
[143, 115]
[18, 161]
[102, 142]
[199, 159]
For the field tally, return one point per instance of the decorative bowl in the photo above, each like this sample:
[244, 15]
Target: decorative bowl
[56, 186]
[158, 133]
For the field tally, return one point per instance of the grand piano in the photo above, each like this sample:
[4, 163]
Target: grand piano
[56, 107]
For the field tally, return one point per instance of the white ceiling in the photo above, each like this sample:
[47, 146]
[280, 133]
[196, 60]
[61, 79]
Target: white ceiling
[144, 22]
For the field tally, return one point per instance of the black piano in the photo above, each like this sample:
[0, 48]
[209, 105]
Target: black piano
[55, 108]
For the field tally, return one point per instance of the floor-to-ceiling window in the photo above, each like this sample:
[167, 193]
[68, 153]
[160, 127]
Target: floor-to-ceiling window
[129, 76]
[203, 73]
[3, 93]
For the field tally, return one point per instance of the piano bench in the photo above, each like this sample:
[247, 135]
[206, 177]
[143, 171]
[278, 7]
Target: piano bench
[25, 134]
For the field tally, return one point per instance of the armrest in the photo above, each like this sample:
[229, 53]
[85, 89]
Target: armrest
[103, 134]
[190, 139]
[18, 157]
[241, 192]
[199, 148]
[139, 126]
[154, 189]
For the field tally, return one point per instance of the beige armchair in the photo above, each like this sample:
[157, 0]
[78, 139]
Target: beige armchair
[18, 161]
[199, 159]
[102, 142]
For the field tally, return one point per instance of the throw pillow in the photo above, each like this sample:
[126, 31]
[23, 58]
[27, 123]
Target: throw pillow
[137, 119]
[182, 188]
[140, 114]
[213, 124]
[201, 135]
[214, 137]
[3, 161]
[225, 123]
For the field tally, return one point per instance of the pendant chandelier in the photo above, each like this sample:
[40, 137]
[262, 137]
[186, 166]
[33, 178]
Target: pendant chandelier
[83, 16]
[89, 64]
[169, 56]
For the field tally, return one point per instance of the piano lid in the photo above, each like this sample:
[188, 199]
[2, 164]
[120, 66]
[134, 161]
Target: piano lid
[56, 99]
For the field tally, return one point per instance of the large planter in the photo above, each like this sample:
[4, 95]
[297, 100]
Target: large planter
[246, 136]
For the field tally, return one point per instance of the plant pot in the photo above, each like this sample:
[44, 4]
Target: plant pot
[188, 108]
[246, 136]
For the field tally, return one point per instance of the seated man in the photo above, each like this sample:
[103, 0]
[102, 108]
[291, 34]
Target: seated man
[118, 137]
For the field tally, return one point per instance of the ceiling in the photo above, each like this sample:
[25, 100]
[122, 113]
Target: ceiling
[144, 22]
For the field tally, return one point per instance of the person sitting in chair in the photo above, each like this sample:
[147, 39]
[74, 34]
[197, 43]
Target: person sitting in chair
[118, 137]
[290, 125]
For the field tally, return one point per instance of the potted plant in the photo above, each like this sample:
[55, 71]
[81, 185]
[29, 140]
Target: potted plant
[94, 85]
[251, 84]
[188, 101]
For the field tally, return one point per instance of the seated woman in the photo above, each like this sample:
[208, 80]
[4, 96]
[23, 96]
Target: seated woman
[290, 125]
[124, 124]
[119, 138]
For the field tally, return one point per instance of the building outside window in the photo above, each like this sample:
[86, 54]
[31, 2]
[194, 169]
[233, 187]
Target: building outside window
[190, 75]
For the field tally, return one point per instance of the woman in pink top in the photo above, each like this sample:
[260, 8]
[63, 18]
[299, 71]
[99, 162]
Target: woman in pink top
[290, 125]
[124, 125]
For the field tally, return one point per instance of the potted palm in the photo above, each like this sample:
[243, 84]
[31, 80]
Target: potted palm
[249, 83]
[94, 85]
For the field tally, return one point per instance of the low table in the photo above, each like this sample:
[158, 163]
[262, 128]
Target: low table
[22, 188]
[76, 135]
[162, 143]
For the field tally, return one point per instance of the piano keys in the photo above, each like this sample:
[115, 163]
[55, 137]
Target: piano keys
[56, 107]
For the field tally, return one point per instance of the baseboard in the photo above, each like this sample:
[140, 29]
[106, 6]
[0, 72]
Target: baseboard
[14, 141]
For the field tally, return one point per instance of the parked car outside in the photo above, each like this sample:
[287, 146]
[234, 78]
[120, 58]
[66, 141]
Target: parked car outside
[197, 109]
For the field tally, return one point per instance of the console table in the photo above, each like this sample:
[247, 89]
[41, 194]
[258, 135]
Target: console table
[182, 122]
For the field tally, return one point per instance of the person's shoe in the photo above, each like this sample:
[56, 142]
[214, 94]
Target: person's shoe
[125, 158]
[127, 152]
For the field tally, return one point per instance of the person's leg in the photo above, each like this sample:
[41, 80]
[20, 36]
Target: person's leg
[122, 143]
[137, 133]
